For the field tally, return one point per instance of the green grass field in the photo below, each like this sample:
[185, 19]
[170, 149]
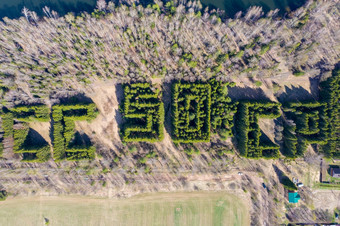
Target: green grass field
[178, 209]
[326, 186]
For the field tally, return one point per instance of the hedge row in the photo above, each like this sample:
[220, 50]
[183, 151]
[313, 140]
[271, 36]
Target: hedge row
[143, 111]
[310, 127]
[64, 117]
[191, 106]
[248, 132]
[330, 94]
[40, 113]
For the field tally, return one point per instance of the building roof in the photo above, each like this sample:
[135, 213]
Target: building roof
[336, 170]
[293, 197]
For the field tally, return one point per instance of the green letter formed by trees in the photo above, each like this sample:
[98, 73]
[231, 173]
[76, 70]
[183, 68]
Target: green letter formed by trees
[306, 123]
[222, 110]
[64, 145]
[330, 94]
[24, 143]
[144, 113]
[6, 128]
[249, 132]
[191, 103]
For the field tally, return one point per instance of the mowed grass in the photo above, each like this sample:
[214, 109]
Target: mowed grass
[177, 209]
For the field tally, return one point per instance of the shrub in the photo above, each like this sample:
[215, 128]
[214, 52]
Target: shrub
[3, 195]
[258, 83]
[144, 113]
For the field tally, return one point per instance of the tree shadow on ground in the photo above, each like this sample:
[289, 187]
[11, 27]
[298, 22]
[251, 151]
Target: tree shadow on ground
[295, 94]
[314, 87]
[280, 174]
[79, 98]
[246, 93]
[166, 99]
[120, 97]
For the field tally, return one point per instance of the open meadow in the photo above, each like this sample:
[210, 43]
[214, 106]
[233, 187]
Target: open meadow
[199, 208]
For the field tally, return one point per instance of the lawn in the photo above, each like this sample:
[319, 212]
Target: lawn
[326, 186]
[184, 209]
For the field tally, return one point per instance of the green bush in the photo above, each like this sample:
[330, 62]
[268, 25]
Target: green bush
[3, 195]
[143, 111]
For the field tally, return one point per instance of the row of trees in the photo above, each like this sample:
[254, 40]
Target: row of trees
[143, 111]
[330, 93]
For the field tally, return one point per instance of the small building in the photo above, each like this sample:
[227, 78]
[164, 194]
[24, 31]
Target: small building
[335, 172]
[293, 197]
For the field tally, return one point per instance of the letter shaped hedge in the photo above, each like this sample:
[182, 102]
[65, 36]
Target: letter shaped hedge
[191, 107]
[6, 128]
[310, 127]
[64, 117]
[248, 131]
[23, 143]
[143, 111]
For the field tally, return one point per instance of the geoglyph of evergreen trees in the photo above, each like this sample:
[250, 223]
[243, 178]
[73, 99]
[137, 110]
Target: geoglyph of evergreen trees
[143, 111]
[65, 144]
[248, 132]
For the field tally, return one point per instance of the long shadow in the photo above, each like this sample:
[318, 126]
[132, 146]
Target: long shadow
[166, 99]
[280, 174]
[314, 87]
[264, 139]
[295, 94]
[120, 97]
[76, 99]
[80, 140]
[34, 138]
[246, 93]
